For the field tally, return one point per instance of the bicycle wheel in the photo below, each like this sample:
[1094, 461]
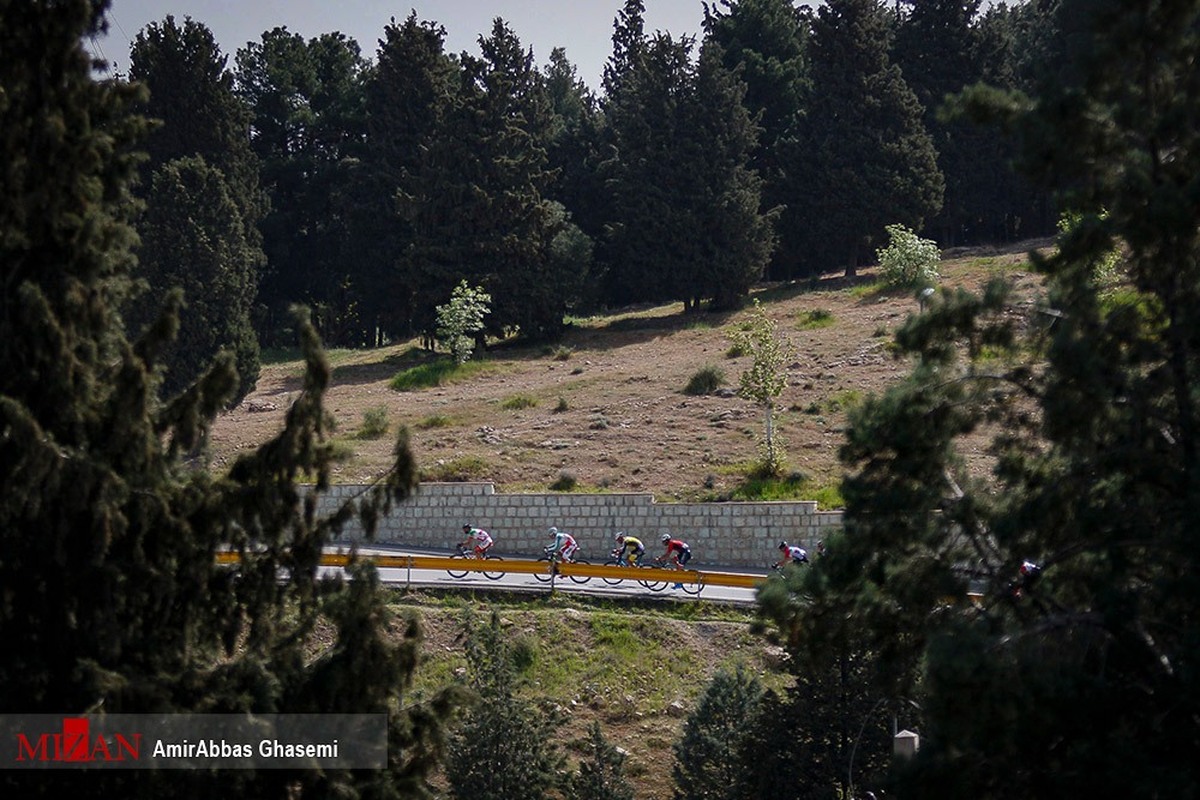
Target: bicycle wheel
[455, 573]
[653, 584]
[612, 562]
[696, 586]
[544, 577]
[495, 576]
[580, 578]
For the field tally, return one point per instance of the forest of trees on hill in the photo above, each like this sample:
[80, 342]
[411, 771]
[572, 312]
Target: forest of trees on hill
[367, 186]
[1038, 625]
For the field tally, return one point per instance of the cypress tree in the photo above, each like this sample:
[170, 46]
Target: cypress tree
[652, 188]
[411, 92]
[193, 240]
[114, 601]
[863, 156]
[307, 101]
[199, 113]
[766, 43]
[733, 235]
[937, 48]
[191, 95]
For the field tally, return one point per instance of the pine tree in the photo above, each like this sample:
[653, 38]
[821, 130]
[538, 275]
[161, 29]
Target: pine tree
[503, 749]
[1090, 411]
[602, 776]
[707, 759]
[114, 600]
[308, 105]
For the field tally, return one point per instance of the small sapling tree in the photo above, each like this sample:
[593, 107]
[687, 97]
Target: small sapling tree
[909, 260]
[764, 380]
[459, 320]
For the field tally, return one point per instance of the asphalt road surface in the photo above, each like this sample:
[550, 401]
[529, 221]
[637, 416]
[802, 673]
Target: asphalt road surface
[513, 580]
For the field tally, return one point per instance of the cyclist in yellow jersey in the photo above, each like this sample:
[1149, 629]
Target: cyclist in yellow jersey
[629, 549]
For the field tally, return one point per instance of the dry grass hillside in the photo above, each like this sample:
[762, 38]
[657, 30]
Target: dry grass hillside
[606, 410]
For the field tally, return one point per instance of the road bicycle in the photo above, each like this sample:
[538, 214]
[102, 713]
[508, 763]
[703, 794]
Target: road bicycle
[619, 560]
[691, 586]
[550, 556]
[468, 552]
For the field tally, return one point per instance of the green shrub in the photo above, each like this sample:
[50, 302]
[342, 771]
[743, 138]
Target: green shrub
[706, 381]
[436, 373]
[817, 318]
[434, 421]
[518, 402]
[341, 451]
[562, 406]
[795, 486]
[566, 482]
[374, 424]
[909, 260]
[462, 468]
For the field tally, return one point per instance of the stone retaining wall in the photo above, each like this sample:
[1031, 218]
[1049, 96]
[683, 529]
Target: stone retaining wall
[720, 534]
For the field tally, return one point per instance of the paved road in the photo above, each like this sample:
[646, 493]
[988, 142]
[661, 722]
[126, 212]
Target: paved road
[516, 581]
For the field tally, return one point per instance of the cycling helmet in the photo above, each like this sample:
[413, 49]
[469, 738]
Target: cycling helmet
[620, 538]
[466, 527]
[666, 537]
[553, 531]
[783, 545]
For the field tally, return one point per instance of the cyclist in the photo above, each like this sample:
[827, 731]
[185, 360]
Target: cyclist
[792, 554]
[564, 545]
[678, 551]
[629, 549]
[1029, 573]
[482, 539]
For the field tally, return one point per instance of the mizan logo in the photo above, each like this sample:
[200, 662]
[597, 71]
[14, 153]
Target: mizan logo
[76, 744]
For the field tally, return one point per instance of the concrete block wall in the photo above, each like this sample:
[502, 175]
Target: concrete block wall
[735, 534]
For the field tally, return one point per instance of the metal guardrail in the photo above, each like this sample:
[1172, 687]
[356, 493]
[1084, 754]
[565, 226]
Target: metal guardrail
[530, 567]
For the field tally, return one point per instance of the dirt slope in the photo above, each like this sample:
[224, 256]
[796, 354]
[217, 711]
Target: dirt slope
[607, 408]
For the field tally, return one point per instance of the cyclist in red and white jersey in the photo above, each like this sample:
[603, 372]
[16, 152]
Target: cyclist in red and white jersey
[481, 538]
